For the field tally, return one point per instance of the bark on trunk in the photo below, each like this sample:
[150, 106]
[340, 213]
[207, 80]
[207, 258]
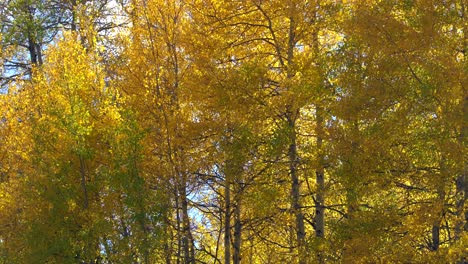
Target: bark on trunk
[461, 194]
[187, 238]
[435, 237]
[39, 54]
[32, 50]
[319, 219]
[33, 45]
[462, 138]
[227, 222]
[237, 233]
[466, 211]
[295, 193]
[167, 244]
[436, 227]
[74, 6]
[440, 200]
[179, 233]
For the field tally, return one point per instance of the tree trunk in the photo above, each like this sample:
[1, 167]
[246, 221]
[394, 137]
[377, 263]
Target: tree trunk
[237, 232]
[179, 227]
[319, 219]
[73, 10]
[187, 238]
[39, 54]
[435, 236]
[295, 192]
[460, 204]
[32, 50]
[33, 46]
[167, 243]
[227, 222]
[440, 200]
[436, 227]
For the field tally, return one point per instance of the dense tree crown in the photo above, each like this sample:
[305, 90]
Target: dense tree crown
[220, 131]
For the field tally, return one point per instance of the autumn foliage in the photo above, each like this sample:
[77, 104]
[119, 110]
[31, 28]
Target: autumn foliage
[219, 131]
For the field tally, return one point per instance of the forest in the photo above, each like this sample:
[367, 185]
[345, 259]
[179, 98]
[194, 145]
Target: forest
[233, 131]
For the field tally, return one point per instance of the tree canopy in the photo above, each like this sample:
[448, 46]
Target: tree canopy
[220, 131]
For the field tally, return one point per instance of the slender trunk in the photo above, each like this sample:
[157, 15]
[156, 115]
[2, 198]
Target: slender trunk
[466, 211]
[73, 13]
[187, 238]
[179, 236]
[33, 47]
[460, 204]
[218, 238]
[145, 241]
[292, 151]
[167, 244]
[462, 138]
[32, 50]
[251, 248]
[435, 236]
[295, 193]
[440, 200]
[237, 233]
[319, 219]
[436, 226]
[39, 54]
[227, 222]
